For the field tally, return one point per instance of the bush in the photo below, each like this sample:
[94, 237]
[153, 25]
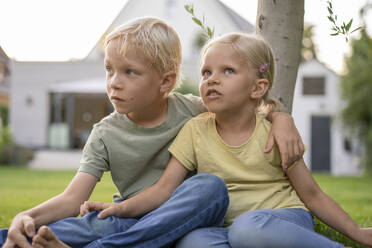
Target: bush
[11, 153]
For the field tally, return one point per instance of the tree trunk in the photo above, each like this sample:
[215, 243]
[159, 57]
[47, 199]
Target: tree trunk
[280, 23]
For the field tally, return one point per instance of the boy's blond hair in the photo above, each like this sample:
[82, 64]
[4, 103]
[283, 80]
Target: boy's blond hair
[157, 41]
[258, 56]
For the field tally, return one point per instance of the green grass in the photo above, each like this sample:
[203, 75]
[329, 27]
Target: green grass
[21, 189]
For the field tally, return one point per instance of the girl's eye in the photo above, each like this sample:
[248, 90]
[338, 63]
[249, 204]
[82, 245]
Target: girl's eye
[206, 73]
[229, 71]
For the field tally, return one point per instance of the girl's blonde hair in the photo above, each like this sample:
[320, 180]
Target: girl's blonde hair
[258, 56]
[156, 40]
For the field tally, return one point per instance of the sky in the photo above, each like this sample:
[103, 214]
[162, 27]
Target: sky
[51, 30]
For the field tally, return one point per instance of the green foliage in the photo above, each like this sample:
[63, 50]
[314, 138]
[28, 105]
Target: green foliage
[356, 90]
[187, 87]
[208, 32]
[308, 49]
[11, 153]
[337, 29]
[4, 111]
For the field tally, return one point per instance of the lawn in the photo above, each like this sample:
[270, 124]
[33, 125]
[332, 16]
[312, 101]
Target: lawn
[21, 188]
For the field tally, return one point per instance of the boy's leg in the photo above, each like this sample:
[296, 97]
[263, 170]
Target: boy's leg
[3, 235]
[207, 237]
[78, 232]
[199, 201]
[277, 228]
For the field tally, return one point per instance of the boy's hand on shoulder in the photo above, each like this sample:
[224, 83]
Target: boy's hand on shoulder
[107, 209]
[285, 134]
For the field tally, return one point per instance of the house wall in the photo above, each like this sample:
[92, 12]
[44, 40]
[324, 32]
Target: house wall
[172, 11]
[304, 107]
[30, 106]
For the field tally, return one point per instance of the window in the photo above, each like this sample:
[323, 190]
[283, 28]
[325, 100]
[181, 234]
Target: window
[313, 86]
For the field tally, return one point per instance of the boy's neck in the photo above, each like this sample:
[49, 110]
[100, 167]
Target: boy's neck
[236, 130]
[153, 116]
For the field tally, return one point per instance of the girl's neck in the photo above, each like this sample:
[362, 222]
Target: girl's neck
[236, 129]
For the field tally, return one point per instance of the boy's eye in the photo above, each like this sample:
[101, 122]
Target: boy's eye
[131, 72]
[206, 73]
[108, 69]
[229, 71]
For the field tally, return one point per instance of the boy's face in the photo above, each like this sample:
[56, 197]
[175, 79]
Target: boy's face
[133, 87]
[227, 80]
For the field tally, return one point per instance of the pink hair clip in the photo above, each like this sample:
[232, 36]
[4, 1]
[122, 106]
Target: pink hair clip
[263, 67]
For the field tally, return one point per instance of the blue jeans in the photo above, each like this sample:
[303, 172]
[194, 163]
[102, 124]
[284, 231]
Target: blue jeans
[261, 228]
[200, 201]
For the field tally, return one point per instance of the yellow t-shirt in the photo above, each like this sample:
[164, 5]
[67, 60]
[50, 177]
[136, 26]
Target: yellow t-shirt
[254, 179]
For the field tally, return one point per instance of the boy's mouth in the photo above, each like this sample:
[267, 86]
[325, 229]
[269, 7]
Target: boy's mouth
[117, 99]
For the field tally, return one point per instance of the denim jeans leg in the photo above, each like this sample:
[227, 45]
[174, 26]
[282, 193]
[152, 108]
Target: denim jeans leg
[277, 228]
[78, 232]
[3, 235]
[206, 237]
[199, 201]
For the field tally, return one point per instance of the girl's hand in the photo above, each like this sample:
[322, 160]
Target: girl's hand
[22, 226]
[284, 133]
[365, 237]
[107, 209]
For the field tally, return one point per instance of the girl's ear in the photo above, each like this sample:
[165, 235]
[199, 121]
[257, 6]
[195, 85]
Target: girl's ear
[260, 88]
[168, 82]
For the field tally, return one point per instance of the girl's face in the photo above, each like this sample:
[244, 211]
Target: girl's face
[227, 81]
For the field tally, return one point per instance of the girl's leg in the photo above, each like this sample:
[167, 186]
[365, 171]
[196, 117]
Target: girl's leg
[277, 228]
[199, 201]
[207, 237]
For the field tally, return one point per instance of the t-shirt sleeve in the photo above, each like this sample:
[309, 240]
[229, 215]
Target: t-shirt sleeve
[183, 147]
[95, 156]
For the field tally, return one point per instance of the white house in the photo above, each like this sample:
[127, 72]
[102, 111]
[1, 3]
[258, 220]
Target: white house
[55, 104]
[316, 110]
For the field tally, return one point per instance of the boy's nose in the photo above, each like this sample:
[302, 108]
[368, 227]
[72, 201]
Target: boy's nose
[114, 83]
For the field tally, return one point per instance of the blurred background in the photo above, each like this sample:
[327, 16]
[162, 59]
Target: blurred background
[52, 79]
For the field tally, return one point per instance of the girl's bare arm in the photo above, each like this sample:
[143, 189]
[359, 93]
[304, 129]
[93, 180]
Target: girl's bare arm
[324, 207]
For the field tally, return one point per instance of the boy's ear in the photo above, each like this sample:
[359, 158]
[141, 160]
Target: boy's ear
[168, 81]
[260, 88]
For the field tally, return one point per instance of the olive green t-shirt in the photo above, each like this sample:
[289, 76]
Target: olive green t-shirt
[135, 155]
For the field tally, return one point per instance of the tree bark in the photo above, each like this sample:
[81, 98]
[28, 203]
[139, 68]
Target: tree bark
[280, 23]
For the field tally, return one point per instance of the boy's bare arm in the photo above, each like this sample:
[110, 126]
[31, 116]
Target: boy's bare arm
[147, 200]
[64, 205]
[324, 207]
[284, 133]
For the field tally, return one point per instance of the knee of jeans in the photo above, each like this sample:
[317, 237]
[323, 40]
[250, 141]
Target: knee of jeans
[209, 184]
[194, 239]
[248, 230]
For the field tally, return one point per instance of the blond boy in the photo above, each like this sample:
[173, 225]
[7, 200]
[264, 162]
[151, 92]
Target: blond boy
[142, 60]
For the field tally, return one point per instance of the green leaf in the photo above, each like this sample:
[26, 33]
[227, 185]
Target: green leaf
[349, 25]
[334, 34]
[210, 32]
[356, 30]
[197, 21]
[330, 10]
[331, 19]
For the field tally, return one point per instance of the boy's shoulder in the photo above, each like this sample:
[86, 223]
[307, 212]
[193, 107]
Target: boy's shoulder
[187, 103]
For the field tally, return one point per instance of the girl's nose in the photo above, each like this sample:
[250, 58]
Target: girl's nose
[213, 80]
